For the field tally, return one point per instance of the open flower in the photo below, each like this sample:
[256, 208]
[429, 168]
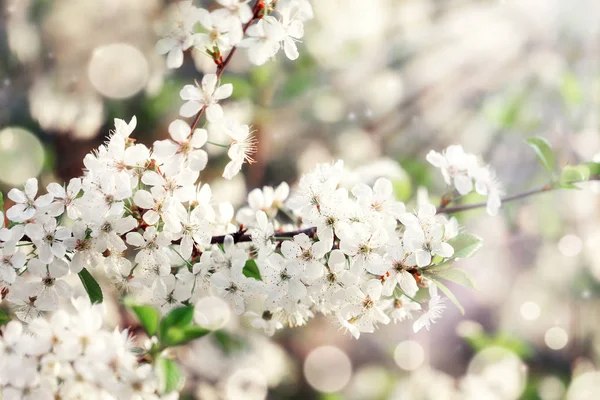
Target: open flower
[25, 202]
[241, 149]
[184, 148]
[207, 96]
[433, 310]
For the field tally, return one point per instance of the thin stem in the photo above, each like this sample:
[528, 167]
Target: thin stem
[217, 144]
[506, 199]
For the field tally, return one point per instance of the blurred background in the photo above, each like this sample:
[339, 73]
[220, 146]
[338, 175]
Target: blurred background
[378, 84]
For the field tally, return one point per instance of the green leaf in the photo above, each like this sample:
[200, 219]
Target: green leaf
[91, 286]
[251, 270]
[4, 318]
[465, 245]
[449, 294]
[543, 151]
[458, 276]
[177, 318]
[169, 375]
[149, 318]
[573, 174]
[178, 336]
[1, 202]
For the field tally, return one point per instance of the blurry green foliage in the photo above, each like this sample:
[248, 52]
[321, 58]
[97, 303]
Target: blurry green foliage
[261, 75]
[169, 375]
[4, 318]
[330, 396]
[229, 342]
[300, 79]
[419, 171]
[510, 111]
[572, 174]
[402, 189]
[152, 108]
[571, 90]
[481, 340]
[242, 88]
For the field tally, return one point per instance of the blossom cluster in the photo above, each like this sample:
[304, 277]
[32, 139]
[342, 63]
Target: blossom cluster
[141, 217]
[356, 255]
[465, 173]
[71, 356]
[143, 222]
[279, 26]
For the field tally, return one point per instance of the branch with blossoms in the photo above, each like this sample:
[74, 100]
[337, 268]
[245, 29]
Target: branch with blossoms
[141, 223]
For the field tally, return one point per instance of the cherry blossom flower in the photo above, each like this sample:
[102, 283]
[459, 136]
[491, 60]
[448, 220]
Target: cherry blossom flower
[26, 204]
[178, 33]
[207, 97]
[433, 310]
[48, 239]
[184, 150]
[241, 149]
[64, 198]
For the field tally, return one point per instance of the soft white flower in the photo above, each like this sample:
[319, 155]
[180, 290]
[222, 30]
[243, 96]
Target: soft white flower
[178, 33]
[432, 312]
[25, 202]
[64, 198]
[242, 148]
[11, 260]
[184, 150]
[207, 97]
[48, 239]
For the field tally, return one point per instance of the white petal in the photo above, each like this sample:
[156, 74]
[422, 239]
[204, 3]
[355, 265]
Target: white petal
[214, 113]
[175, 58]
[179, 130]
[190, 109]
[223, 91]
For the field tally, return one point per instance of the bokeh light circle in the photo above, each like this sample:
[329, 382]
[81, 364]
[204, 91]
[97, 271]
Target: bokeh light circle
[530, 311]
[409, 355]
[21, 156]
[570, 245]
[212, 312]
[246, 383]
[118, 70]
[501, 369]
[585, 387]
[327, 369]
[556, 338]
[551, 388]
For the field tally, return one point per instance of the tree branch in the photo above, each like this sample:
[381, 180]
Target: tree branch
[237, 238]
